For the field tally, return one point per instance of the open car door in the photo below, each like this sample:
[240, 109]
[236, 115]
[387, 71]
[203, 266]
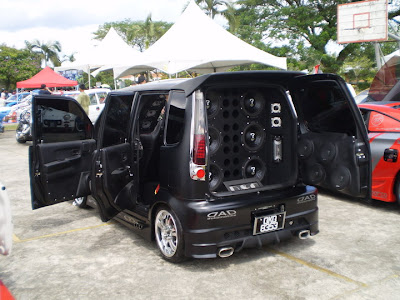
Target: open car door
[333, 146]
[60, 157]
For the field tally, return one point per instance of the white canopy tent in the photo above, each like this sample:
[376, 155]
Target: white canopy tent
[196, 43]
[112, 50]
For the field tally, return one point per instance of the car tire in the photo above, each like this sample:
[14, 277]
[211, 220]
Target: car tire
[397, 189]
[80, 202]
[168, 235]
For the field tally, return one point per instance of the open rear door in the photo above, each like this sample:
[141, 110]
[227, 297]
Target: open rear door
[60, 157]
[333, 146]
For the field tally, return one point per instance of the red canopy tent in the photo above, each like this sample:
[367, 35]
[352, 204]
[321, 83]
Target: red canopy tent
[48, 77]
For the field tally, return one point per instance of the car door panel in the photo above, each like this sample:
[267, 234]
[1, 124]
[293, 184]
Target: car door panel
[118, 179]
[62, 176]
[61, 154]
[333, 147]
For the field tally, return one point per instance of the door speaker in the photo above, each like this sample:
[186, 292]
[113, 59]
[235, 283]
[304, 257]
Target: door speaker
[327, 152]
[316, 174]
[341, 178]
[305, 148]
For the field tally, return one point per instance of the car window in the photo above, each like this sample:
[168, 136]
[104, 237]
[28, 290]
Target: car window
[102, 97]
[60, 121]
[176, 118]
[382, 123]
[151, 111]
[325, 109]
[117, 120]
[93, 100]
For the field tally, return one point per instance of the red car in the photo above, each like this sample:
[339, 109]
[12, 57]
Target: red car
[383, 124]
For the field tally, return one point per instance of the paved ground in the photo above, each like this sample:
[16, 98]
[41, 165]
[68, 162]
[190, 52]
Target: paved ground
[63, 252]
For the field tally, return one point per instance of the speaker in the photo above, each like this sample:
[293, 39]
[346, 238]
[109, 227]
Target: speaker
[215, 177]
[253, 137]
[327, 152]
[252, 134]
[254, 167]
[305, 148]
[340, 178]
[214, 139]
[315, 174]
[213, 103]
[252, 103]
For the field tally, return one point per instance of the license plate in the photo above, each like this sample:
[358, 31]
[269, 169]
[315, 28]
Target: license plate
[269, 223]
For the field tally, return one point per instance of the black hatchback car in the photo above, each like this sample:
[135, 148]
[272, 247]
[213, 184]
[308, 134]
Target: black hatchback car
[205, 166]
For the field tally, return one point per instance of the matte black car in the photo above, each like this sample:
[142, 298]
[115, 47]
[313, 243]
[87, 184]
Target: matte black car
[205, 166]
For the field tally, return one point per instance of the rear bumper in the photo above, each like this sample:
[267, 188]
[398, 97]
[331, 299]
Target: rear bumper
[211, 225]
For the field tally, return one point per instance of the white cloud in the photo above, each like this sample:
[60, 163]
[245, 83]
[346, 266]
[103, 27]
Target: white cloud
[73, 22]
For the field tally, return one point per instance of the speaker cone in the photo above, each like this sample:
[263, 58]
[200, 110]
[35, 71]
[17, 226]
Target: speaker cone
[213, 104]
[341, 178]
[254, 167]
[215, 177]
[315, 174]
[253, 137]
[214, 140]
[252, 103]
[327, 152]
[305, 148]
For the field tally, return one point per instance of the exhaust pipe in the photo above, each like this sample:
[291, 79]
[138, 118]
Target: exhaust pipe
[225, 252]
[303, 234]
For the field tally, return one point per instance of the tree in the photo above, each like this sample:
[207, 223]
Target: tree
[139, 34]
[210, 6]
[307, 27]
[230, 13]
[17, 65]
[48, 51]
[69, 58]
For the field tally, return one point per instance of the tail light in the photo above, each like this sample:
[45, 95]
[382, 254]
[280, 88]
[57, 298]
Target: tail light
[198, 146]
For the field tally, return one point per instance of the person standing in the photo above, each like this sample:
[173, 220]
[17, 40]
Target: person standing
[44, 90]
[83, 98]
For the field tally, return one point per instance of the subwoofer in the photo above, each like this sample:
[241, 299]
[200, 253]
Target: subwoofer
[316, 174]
[305, 148]
[253, 137]
[254, 167]
[252, 103]
[215, 177]
[341, 178]
[213, 104]
[214, 139]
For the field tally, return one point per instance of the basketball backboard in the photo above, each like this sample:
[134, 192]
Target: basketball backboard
[362, 21]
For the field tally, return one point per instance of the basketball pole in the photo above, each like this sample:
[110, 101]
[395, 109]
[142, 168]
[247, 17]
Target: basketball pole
[378, 56]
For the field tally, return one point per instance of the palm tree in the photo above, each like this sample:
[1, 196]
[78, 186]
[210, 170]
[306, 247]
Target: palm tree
[210, 6]
[48, 51]
[69, 58]
[230, 14]
[148, 31]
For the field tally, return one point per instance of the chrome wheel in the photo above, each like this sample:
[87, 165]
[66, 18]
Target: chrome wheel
[166, 233]
[80, 202]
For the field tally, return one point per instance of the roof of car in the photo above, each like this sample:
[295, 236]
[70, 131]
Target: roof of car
[191, 84]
